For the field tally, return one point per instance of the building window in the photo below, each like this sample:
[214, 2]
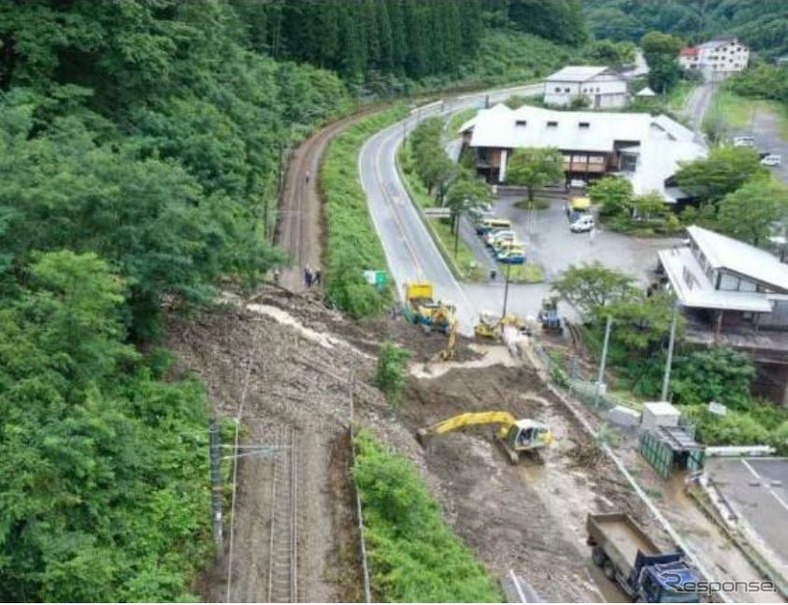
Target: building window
[557, 89]
[567, 90]
[520, 123]
[552, 124]
[629, 162]
[583, 125]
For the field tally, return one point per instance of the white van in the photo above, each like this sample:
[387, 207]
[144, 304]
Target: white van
[584, 223]
[495, 237]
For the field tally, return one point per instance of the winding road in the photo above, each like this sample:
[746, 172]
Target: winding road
[410, 250]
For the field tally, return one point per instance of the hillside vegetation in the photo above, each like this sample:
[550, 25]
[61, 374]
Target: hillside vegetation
[762, 25]
[141, 147]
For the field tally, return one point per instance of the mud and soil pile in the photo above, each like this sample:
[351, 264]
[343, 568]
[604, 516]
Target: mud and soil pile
[527, 518]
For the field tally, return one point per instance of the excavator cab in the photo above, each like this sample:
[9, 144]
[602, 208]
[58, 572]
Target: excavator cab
[526, 435]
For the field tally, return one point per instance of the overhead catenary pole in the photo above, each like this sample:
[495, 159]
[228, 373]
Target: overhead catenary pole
[671, 343]
[217, 493]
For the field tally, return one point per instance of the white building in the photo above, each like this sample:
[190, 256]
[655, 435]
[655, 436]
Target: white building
[721, 56]
[642, 148]
[600, 85]
[736, 295]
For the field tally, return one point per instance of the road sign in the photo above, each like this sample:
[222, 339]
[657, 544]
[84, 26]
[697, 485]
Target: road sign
[379, 279]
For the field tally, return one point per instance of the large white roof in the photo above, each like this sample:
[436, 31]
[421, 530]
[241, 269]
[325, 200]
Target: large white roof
[693, 288]
[661, 143]
[576, 73]
[724, 252]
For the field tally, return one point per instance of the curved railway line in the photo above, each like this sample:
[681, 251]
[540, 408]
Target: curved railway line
[299, 226]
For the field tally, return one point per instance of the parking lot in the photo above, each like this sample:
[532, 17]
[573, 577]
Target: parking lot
[757, 491]
[550, 243]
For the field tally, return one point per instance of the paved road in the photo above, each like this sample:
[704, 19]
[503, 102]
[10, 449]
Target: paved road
[766, 130]
[697, 104]
[758, 490]
[410, 251]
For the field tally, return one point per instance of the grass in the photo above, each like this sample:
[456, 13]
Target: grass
[414, 555]
[736, 112]
[465, 262]
[538, 203]
[352, 243]
[458, 119]
[527, 273]
[676, 99]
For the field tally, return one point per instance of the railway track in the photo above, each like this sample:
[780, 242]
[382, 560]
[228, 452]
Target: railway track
[283, 542]
[299, 225]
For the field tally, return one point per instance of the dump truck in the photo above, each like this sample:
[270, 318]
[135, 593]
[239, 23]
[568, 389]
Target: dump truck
[631, 559]
[421, 308]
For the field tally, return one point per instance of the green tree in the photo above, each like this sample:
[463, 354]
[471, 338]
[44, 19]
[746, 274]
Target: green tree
[466, 195]
[590, 287]
[642, 323]
[649, 206]
[613, 195]
[610, 53]
[390, 375]
[534, 167]
[715, 374]
[661, 54]
[723, 172]
[752, 212]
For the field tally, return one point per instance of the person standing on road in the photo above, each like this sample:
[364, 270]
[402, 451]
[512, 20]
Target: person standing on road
[307, 177]
[276, 276]
[308, 276]
[591, 235]
[317, 280]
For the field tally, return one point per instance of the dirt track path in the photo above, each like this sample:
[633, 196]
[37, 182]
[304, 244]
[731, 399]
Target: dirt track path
[300, 229]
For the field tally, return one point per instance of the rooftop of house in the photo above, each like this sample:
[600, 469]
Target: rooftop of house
[646, 92]
[717, 42]
[735, 256]
[693, 289]
[659, 141]
[577, 73]
[690, 51]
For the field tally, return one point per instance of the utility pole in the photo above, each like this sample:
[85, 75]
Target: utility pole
[217, 494]
[602, 364]
[671, 342]
[506, 289]
[456, 232]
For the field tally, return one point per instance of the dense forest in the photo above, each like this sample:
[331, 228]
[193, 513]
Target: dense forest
[762, 24]
[141, 145]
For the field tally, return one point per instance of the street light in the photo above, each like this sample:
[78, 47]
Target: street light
[671, 342]
[506, 289]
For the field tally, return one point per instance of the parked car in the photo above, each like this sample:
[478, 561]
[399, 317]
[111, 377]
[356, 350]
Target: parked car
[771, 160]
[584, 223]
[744, 141]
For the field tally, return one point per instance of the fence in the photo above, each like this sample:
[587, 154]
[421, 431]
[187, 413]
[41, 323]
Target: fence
[564, 371]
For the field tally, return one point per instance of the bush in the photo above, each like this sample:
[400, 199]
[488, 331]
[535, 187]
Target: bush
[391, 365]
[758, 424]
[414, 555]
[353, 244]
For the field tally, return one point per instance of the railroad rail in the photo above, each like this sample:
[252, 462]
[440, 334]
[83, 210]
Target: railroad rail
[283, 541]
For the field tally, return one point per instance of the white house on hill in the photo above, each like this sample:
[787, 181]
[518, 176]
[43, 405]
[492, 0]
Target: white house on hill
[719, 56]
[603, 88]
[642, 148]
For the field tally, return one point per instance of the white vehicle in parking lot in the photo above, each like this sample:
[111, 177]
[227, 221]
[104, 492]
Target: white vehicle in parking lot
[771, 160]
[743, 141]
[584, 223]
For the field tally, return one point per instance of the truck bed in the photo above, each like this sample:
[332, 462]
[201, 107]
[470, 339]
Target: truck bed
[618, 533]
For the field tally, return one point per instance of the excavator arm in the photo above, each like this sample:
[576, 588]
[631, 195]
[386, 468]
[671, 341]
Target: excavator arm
[505, 419]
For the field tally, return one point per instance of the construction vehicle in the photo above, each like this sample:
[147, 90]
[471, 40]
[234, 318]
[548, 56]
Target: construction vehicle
[629, 557]
[492, 326]
[515, 437]
[421, 308]
[448, 353]
[548, 316]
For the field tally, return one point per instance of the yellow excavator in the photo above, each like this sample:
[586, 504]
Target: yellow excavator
[491, 326]
[516, 437]
[451, 331]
